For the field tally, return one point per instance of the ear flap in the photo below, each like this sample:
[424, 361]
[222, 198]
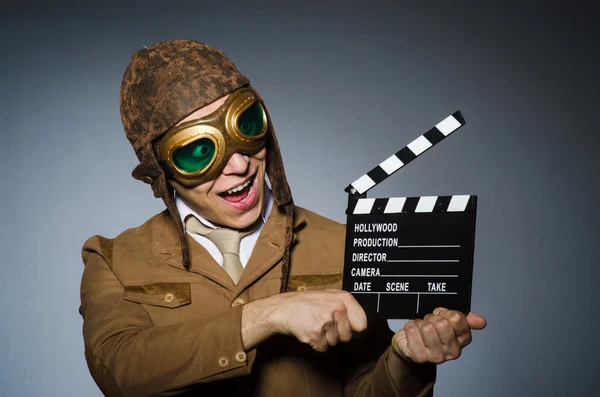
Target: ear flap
[281, 190]
[282, 194]
[149, 171]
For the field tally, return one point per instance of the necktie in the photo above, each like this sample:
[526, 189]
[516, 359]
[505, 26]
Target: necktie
[226, 240]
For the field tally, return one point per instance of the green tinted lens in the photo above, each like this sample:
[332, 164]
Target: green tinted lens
[194, 156]
[252, 121]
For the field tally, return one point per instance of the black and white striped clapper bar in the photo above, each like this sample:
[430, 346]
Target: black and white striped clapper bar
[405, 256]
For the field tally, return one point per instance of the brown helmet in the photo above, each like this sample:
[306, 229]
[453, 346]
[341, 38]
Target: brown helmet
[162, 85]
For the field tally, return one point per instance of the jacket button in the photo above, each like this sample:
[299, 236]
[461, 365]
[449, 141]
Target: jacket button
[169, 297]
[301, 288]
[240, 357]
[223, 362]
[237, 302]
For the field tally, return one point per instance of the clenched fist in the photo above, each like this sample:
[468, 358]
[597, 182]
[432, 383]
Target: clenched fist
[320, 318]
[439, 337]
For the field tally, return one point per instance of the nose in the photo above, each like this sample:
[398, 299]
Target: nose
[237, 165]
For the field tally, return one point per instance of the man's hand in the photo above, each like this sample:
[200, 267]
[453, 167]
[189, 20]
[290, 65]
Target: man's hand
[439, 337]
[318, 318]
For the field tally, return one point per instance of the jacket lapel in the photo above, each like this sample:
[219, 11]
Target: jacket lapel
[203, 263]
[165, 240]
[268, 250]
[166, 243]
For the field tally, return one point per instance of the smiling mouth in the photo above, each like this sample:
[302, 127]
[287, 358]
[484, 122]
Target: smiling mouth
[240, 192]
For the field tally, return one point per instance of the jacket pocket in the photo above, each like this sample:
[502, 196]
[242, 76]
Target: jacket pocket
[308, 282]
[163, 294]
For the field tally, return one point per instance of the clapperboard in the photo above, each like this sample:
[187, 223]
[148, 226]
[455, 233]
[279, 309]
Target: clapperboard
[405, 256]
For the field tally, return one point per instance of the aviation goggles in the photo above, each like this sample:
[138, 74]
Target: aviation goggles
[197, 150]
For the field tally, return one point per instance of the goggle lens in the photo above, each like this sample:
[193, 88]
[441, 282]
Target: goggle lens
[252, 121]
[195, 156]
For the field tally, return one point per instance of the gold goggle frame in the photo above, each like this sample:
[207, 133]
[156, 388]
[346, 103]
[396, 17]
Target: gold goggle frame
[221, 127]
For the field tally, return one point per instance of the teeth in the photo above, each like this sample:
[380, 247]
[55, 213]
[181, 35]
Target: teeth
[240, 187]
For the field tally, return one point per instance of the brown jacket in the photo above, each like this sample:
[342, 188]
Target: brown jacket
[151, 327]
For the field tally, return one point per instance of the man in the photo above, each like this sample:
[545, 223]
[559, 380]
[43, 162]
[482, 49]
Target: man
[233, 290]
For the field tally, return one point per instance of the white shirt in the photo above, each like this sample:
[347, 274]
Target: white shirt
[247, 243]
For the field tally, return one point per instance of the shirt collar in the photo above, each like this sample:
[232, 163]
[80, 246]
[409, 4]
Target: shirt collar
[185, 210]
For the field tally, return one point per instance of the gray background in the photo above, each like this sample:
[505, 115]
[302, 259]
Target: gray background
[347, 85]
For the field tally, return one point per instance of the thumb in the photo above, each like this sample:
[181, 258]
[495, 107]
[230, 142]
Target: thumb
[400, 344]
[475, 321]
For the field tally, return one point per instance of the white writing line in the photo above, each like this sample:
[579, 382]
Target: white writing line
[378, 297]
[429, 246]
[418, 297]
[419, 275]
[409, 293]
[423, 260]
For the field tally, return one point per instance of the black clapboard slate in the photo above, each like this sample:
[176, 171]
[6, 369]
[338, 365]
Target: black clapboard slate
[406, 256]
[418, 256]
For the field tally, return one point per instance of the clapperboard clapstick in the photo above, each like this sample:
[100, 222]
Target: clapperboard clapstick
[405, 256]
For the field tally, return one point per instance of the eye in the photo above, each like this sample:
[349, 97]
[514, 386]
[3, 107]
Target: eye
[200, 151]
[194, 156]
[252, 121]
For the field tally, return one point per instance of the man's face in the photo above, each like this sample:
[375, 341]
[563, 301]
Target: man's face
[216, 199]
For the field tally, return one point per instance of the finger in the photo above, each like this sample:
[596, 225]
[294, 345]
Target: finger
[475, 321]
[399, 343]
[320, 344]
[459, 324]
[343, 327]
[448, 338]
[356, 315]
[331, 334]
[411, 344]
[432, 341]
